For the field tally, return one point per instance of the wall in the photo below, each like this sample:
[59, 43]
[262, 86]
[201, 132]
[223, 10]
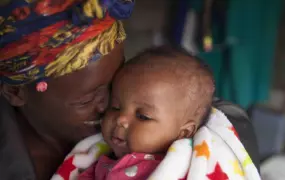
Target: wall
[147, 20]
[279, 66]
[277, 98]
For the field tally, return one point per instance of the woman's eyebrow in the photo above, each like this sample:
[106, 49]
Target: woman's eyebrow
[91, 90]
[87, 92]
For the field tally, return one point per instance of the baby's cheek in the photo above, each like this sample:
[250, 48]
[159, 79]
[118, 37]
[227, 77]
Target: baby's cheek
[147, 142]
[107, 125]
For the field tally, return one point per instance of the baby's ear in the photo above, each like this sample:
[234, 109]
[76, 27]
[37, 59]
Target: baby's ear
[188, 130]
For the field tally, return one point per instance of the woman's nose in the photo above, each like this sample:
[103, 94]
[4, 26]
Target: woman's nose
[123, 121]
[101, 108]
[102, 104]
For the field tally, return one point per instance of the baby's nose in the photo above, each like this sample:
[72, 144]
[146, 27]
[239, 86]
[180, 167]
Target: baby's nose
[123, 121]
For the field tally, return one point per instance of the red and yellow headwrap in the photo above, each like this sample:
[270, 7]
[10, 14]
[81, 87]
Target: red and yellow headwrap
[50, 38]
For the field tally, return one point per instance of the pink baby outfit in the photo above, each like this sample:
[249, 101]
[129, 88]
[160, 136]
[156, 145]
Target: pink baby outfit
[135, 166]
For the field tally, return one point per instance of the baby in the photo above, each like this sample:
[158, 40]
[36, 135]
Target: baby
[158, 97]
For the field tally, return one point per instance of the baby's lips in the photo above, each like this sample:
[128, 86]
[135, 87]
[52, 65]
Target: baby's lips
[118, 141]
[120, 133]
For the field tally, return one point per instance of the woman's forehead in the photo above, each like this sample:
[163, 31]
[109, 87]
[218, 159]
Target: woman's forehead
[80, 82]
[88, 79]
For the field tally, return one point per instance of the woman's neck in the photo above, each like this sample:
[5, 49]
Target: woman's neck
[46, 152]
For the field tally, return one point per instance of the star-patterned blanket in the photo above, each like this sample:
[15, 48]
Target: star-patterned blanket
[214, 153]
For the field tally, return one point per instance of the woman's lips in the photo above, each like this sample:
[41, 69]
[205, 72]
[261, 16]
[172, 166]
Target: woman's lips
[92, 123]
[118, 141]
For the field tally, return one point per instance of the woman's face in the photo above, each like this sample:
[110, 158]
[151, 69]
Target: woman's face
[73, 103]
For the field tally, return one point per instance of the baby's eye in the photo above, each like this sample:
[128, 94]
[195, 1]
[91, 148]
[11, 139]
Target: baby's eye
[142, 117]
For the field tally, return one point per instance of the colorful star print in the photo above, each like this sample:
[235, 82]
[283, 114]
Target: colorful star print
[171, 149]
[190, 142]
[237, 168]
[185, 177]
[214, 110]
[202, 150]
[234, 131]
[247, 161]
[218, 174]
[66, 168]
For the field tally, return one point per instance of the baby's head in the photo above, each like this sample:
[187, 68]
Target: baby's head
[159, 96]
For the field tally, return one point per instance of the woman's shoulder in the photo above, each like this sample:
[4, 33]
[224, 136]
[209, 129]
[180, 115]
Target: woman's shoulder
[14, 159]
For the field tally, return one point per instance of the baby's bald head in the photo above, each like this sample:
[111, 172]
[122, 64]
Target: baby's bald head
[187, 73]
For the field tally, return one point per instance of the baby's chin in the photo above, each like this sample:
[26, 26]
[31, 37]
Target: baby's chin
[119, 153]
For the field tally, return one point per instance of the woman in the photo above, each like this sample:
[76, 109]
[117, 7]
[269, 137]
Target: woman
[57, 59]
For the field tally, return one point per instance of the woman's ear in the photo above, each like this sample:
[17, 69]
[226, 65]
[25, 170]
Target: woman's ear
[14, 94]
[187, 130]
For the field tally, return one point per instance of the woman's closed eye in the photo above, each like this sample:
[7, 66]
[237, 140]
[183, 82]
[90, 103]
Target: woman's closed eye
[100, 97]
[85, 100]
[90, 99]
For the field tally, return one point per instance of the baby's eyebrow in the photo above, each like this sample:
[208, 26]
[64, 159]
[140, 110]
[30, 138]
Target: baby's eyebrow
[148, 105]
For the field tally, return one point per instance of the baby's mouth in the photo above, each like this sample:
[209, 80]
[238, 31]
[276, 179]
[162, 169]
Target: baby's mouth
[119, 141]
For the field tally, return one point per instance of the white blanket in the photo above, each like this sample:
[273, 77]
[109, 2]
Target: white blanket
[214, 153]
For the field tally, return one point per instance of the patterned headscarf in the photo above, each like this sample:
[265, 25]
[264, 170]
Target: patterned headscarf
[50, 38]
